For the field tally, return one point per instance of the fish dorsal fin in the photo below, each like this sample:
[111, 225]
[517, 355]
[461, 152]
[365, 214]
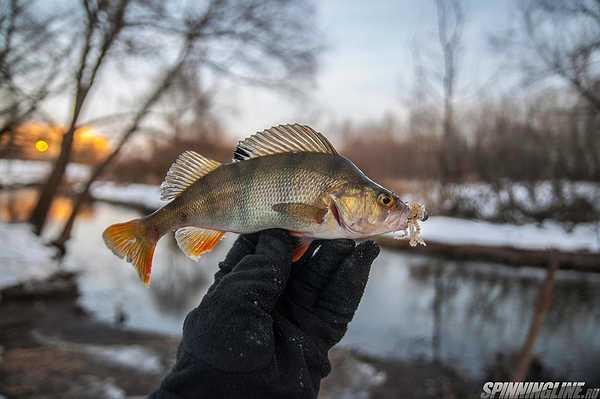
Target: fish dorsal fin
[281, 139]
[187, 168]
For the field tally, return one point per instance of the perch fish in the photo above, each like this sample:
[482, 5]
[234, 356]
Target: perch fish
[288, 177]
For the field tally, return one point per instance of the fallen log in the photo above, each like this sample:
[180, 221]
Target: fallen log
[579, 261]
[59, 285]
[126, 204]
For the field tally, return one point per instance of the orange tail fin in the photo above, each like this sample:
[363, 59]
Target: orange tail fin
[134, 242]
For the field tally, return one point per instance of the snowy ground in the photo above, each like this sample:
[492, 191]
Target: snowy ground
[136, 357]
[22, 255]
[484, 202]
[21, 248]
[138, 194]
[584, 236]
[15, 171]
[549, 235]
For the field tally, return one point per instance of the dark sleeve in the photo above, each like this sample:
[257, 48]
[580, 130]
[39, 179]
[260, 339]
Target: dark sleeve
[294, 371]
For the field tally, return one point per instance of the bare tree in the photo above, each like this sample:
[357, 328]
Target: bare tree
[450, 22]
[268, 46]
[562, 39]
[555, 45]
[104, 24]
[31, 59]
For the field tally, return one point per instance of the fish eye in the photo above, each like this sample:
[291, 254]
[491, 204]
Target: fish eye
[385, 200]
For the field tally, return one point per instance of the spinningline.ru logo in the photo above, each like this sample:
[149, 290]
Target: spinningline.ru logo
[543, 390]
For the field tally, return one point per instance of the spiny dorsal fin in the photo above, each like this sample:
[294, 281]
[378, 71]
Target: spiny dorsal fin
[196, 241]
[281, 139]
[187, 168]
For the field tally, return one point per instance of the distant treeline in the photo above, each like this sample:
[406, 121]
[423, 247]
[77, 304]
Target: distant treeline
[541, 137]
[149, 163]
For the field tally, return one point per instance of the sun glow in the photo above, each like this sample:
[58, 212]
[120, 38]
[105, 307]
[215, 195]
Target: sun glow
[41, 146]
[38, 140]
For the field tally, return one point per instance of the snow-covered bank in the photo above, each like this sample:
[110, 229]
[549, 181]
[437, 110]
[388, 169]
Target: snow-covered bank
[136, 357]
[143, 195]
[441, 229]
[519, 202]
[17, 171]
[22, 255]
[528, 236]
[549, 235]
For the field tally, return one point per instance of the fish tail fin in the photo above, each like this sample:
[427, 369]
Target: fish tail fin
[134, 242]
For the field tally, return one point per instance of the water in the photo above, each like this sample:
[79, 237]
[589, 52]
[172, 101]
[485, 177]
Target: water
[465, 314]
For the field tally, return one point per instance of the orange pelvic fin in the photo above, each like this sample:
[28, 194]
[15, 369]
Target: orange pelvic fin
[301, 249]
[196, 241]
[134, 242]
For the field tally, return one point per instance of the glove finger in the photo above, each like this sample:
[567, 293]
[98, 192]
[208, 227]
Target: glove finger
[244, 245]
[261, 277]
[232, 329]
[276, 244]
[311, 276]
[340, 298]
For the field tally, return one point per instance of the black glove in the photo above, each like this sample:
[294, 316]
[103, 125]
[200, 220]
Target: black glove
[264, 328]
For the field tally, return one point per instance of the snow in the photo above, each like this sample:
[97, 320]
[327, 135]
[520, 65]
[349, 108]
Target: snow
[549, 235]
[17, 171]
[22, 255]
[133, 356]
[104, 388]
[136, 357]
[488, 203]
[138, 194]
[352, 378]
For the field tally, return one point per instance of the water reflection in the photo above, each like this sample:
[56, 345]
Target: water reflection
[16, 206]
[467, 314]
[175, 291]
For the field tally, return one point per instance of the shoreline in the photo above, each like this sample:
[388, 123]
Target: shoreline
[587, 262]
[51, 347]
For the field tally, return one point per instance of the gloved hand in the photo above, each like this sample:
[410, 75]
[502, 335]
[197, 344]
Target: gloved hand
[265, 326]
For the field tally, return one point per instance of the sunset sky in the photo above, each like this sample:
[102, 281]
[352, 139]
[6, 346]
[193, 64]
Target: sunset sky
[365, 70]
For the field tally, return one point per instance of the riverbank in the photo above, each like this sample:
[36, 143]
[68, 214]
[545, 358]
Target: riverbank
[531, 243]
[51, 347]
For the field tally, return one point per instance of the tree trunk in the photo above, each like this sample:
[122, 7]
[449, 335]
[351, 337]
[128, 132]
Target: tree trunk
[40, 212]
[160, 89]
[80, 199]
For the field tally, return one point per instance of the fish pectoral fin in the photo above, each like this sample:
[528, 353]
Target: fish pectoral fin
[196, 241]
[304, 212]
[189, 167]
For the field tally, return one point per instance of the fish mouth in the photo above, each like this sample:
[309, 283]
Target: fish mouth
[398, 221]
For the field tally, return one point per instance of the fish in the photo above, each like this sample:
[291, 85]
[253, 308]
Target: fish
[289, 177]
